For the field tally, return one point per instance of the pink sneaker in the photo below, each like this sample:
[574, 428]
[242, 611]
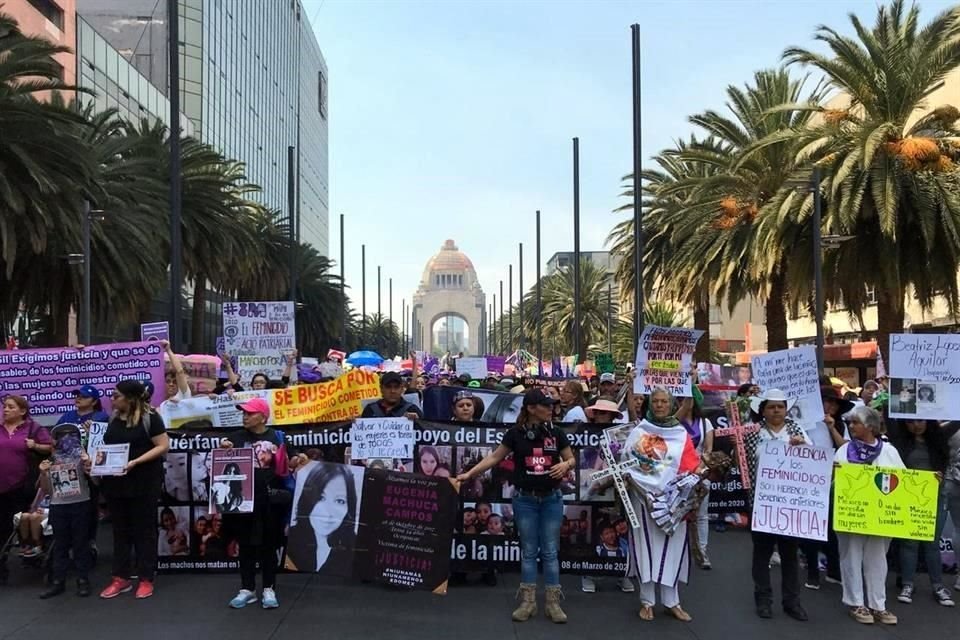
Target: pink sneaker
[116, 587]
[144, 589]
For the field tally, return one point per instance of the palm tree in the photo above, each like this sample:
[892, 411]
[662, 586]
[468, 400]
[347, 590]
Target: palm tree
[556, 314]
[318, 294]
[891, 180]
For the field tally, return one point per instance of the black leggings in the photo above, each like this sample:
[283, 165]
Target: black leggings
[134, 525]
[250, 555]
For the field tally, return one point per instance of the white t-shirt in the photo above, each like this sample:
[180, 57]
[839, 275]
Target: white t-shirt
[889, 456]
[576, 414]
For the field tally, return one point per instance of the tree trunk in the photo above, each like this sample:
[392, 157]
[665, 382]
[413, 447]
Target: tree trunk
[890, 313]
[198, 314]
[701, 321]
[777, 311]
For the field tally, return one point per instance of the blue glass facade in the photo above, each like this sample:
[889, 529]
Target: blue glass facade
[253, 81]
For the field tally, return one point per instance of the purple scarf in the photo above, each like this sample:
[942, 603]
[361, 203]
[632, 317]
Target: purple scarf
[859, 452]
[693, 430]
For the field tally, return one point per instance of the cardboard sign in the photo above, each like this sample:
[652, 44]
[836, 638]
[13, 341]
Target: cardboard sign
[273, 365]
[664, 355]
[251, 328]
[888, 502]
[925, 376]
[155, 331]
[382, 438]
[792, 496]
[795, 372]
[476, 368]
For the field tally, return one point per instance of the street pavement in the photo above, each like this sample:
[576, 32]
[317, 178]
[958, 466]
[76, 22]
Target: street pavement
[195, 606]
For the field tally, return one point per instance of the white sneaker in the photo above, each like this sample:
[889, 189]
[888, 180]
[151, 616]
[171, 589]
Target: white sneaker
[626, 585]
[269, 599]
[775, 559]
[243, 598]
[587, 585]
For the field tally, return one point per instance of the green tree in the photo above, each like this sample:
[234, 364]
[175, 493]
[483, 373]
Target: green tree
[890, 177]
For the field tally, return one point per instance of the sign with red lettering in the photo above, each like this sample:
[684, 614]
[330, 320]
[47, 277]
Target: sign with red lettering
[793, 490]
[340, 399]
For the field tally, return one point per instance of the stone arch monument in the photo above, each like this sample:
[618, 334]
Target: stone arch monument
[449, 288]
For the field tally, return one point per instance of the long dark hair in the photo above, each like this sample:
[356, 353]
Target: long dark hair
[302, 542]
[235, 498]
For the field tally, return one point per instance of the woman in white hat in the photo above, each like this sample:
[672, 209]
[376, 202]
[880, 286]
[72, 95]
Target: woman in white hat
[772, 406]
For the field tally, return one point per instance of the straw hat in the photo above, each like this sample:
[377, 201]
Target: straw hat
[604, 405]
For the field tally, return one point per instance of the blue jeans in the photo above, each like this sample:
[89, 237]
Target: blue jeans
[931, 551]
[538, 522]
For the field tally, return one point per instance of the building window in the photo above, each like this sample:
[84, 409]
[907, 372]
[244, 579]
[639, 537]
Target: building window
[50, 10]
[871, 295]
[322, 93]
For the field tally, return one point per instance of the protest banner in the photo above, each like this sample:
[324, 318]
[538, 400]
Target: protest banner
[663, 359]
[888, 502]
[476, 368]
[272, 365]
[795, 372]
[792, 496]
[202, 371]
[496, 364]
[339, 399]
[94, 436]
[154, 331]
[48, 377]
[925, 376]
[231, 481]
[382, 438]
[219, 412]
[251, 328]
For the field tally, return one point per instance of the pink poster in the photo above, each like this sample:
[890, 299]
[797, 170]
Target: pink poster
[48, 377]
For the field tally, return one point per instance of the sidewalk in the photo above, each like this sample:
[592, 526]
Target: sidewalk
[188, 607]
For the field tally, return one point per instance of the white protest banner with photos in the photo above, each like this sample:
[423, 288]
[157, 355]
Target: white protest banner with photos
[252, 328]
[795, 372]
[792, 495]
[220, 412]
[664, 355]
[925, 376]
[110, 459]
[373, 438]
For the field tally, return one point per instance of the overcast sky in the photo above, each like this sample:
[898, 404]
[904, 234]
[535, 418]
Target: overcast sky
[454, 119]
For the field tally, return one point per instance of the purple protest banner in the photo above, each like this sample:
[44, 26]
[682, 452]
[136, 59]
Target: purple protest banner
[496, 363]
[48, 377]
[154, 331]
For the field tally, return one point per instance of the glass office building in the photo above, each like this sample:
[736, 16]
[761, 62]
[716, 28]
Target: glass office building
[253, 82]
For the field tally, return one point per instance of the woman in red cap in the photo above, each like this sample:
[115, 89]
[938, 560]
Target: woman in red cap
[259, 533]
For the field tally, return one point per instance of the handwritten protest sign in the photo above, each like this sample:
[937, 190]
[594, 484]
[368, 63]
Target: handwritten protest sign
[476, 368]
[792, 495]
[219, 412]
[605, 363]
[888, 502]
[795, 372]
[663, 359]
[48, 377]
[272, 365]
[925, 376]
[251, 328]
[339, 399]
[382, 438]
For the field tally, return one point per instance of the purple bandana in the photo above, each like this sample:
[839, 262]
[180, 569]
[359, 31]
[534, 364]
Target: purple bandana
[693, 430]
[859, 452]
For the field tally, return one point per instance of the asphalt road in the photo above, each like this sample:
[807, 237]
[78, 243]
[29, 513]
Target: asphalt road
[195, 606]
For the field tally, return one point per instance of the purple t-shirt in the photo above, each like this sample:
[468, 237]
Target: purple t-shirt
[14, 455]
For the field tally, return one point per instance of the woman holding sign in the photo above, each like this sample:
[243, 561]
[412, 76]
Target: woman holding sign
[863, 558]
[543, 458]
[132, 496]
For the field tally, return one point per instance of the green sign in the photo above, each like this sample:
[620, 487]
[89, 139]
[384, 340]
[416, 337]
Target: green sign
[604, 362]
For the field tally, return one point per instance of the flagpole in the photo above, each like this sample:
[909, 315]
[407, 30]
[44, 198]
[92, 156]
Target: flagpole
[539, 309]
[638, 240]
[576, 249]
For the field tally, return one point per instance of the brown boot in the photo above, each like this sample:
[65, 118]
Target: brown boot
[527, 593]
[552, 609]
